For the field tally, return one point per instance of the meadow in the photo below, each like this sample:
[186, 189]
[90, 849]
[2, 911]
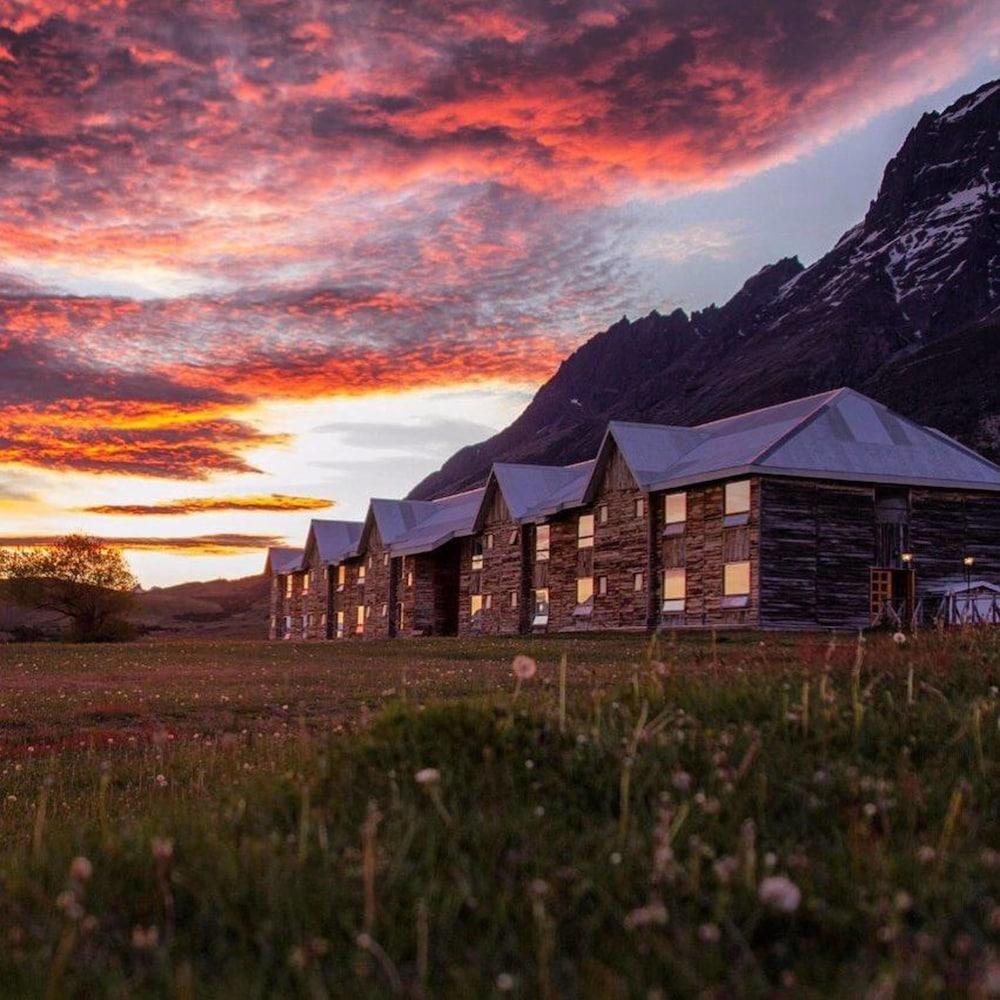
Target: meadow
[693, 816]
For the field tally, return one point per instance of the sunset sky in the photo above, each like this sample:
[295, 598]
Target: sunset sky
[258, 257]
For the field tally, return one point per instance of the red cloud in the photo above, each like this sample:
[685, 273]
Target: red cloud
[200, 505]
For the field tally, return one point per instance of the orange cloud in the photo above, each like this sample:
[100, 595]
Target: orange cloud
[200, 505]
[200, 545]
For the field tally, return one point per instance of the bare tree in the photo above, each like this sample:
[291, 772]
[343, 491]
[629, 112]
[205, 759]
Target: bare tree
[79, 577]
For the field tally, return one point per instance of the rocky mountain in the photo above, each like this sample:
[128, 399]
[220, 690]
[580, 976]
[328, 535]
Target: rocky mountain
[905, 307]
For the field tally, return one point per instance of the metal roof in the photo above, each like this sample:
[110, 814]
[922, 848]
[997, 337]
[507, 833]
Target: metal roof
[450, 517]
[527, 489]
[335, 541]
[569, 494]
[281, 561]
[840, 434]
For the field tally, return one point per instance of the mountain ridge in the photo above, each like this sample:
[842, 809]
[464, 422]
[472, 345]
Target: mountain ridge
[922, 266]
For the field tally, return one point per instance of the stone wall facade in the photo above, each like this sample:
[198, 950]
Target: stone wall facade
[287, 606]
[381, 578]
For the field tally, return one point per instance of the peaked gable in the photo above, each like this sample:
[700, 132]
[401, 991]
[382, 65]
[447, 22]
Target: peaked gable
[281, 561]
[332, 541]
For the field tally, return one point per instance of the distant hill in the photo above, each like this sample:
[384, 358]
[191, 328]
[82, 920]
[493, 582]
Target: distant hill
[231, 609]
[903, 308]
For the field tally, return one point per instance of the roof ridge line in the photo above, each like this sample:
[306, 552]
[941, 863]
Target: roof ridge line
[772, 406]
[799, 425]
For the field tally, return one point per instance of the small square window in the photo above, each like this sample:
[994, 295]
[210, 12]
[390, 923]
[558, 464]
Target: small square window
[637, 581]
[736, 580]
[640, 507]
[738, 497]
[602, 586]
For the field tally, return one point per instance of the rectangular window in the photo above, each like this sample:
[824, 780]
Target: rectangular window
[361, 573]
[340, 624]
[541, 616]
[322, 619]
[305, 583]
[360, 621]
[637, 582]
[477, 554]
[490, 541]
[274, 621]
[512, 537]
[385, 610]
[602, 586]
[488, 602]
[674, 589]
[640, 507]
[475, 604]
[409, 578]
[541, 543]
[385, 559]
[738, 497]
[309, 620]
[288, 586]
[341, 576]
[675, 508]
[513, 599]
[602, 514]
[585, 531]
[371, 560]
[288, 623]
[584, 589]
[736, 582]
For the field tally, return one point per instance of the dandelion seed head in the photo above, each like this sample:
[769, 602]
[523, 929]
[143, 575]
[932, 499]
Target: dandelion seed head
[524, 667]
[427, 776]
[780, 893]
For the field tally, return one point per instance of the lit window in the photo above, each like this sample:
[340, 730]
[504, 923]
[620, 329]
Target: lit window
[360, 626]
[640, 507]
[489, 540]
[488, 602]
[476, 604]
[542, 543]
[361, 573]
[602, 586]
[513, 599]
[288, 623]
[674, 589]
[274, 621]
[409, 578]
[477, 554]
[305, 583]
[385, 610]
[602, 514]
[541, 607]
[585, 531]
[340, 624]
[385, 559]
[341, 576]
[368, 612]
[322, 619]
[288, 586]
[736, 579]
[512, 537]
[675, 508]
[637, 581]
[738, 497]
[584, 589]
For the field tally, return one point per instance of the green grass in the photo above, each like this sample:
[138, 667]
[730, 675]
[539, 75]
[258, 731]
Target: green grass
[616, 852]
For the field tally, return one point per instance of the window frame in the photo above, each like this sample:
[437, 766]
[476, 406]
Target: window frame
[543, 554]
[585, 540]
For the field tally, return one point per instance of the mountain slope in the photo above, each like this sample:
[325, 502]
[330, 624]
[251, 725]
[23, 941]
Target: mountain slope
[924, 264]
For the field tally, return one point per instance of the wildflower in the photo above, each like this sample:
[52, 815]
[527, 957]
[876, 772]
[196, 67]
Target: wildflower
[81, 869]
[681, 780]
[926, 854]
[780, 893]
[161, 781]
[162, 848]
[145, 938]
[726, 868]
[505, 982]
[538, 887]
[524, 667]
[427, 776]
[899, 638]
[616, 858]
[652, 913]
[709, 933]
[68, 903]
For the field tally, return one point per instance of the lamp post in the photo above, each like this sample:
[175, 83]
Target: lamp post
[968, 562]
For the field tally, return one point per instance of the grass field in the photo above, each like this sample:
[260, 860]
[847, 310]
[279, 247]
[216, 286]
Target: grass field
[731, 817]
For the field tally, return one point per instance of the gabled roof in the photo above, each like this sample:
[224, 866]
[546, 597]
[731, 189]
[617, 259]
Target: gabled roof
[451, 517]
[529, 490]
[334, 541]
[394, 518]
[282, 560]
[840, 434]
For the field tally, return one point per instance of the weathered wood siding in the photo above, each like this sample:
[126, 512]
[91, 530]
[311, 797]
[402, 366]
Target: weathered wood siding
[946, 526]
[817, 552]
[504, 574]
[703, 549]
